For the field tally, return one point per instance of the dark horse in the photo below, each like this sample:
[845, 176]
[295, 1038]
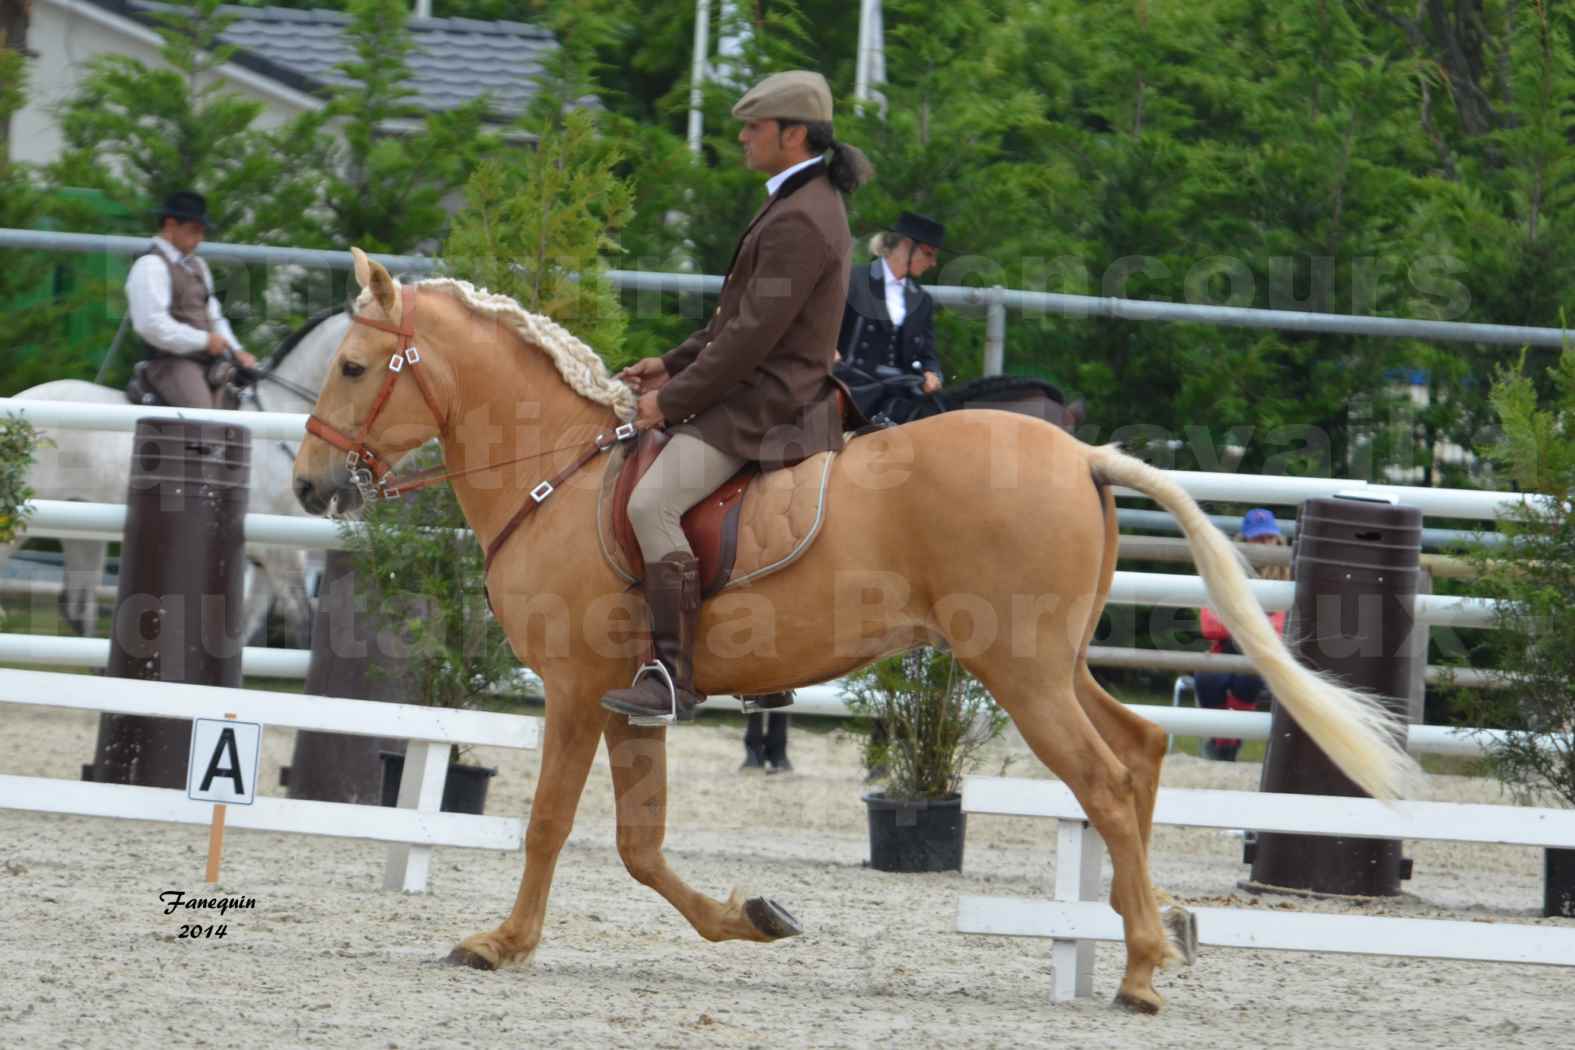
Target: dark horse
[896, 395]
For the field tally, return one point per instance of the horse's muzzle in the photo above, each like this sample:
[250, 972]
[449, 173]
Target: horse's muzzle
[316, 498]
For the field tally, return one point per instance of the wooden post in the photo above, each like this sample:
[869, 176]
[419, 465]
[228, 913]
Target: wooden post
[180, 592]
[216, 834]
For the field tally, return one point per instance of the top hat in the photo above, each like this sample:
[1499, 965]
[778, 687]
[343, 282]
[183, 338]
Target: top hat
[920, 229]
[1259, 522]
[185, 206]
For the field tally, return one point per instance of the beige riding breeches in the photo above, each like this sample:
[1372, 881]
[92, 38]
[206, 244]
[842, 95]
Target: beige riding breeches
[686, 472]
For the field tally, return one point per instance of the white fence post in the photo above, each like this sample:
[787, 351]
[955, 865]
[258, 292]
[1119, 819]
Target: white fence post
[1077, 853]
[420, 788]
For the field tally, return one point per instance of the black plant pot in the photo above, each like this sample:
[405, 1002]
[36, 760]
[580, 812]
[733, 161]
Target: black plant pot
[464, 788]
[916, 835]
[1558, 882]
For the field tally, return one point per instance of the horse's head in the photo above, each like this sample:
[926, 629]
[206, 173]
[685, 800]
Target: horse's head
[367, 416]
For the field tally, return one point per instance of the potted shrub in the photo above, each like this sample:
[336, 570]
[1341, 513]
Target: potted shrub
[19, 442]
[933, 719]
[429, 592]
[1532, 573]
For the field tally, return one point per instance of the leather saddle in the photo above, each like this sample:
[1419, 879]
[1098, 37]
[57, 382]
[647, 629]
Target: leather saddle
[147, 385]
[754, 524]
[711, 526]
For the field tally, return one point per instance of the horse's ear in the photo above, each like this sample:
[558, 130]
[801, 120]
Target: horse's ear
[363, 267]
[369, 273]
[385, 290]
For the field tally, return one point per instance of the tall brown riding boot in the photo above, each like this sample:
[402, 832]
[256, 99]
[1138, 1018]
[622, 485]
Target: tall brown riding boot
[672, 593]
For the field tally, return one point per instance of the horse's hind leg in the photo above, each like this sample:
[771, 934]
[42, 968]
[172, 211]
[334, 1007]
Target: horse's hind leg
[1140, 745]
[574, 722]
[1137, 742]
[1043, 701]
[639, 768]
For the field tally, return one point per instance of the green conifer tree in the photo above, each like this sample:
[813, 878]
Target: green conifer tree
[540, 226]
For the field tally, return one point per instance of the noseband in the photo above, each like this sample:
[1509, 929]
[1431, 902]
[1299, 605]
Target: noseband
[368, 468]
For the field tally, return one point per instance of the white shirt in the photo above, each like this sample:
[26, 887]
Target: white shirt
[775, 182]
[148, 299]
[896, 295]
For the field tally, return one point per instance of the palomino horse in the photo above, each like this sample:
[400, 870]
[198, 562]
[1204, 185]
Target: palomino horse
[992, 532]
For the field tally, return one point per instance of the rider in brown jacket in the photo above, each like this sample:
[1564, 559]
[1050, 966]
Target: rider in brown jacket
[754, 385]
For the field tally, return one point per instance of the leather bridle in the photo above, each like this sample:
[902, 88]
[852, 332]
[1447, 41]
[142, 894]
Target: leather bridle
[369, 469]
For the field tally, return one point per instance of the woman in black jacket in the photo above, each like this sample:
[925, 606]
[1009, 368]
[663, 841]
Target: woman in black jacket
[889, 320]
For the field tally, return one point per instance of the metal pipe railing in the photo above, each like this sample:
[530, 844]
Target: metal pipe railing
[994, 302]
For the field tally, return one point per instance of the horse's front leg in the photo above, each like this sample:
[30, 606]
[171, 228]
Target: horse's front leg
[639, 768]
[574, 724]
[84, 571]
[256, 600]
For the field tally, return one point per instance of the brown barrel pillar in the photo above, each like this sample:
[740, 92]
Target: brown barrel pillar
[1357, 566]
[182, 572]
[349, 661]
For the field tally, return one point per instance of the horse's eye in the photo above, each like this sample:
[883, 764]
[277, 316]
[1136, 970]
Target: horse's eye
[351, 370]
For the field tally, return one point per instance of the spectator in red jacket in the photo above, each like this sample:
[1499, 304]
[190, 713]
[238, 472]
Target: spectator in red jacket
[1238, 692]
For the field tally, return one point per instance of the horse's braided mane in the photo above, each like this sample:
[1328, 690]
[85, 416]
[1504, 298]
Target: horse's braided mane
[581, 367]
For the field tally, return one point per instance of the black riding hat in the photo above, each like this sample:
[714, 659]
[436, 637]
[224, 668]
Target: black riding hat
[185, 206]
[920, 229]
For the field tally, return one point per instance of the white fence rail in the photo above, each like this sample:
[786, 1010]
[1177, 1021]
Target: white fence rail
[823, 700]
[1204, 485]
[70, 519]
[76, 520]
[1076, 917]
[413, 828]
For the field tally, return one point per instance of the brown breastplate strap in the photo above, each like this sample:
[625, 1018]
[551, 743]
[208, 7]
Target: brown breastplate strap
[604, 442]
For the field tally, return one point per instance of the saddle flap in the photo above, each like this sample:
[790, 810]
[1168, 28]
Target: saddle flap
[631, 467]
[711, 526]
[752, 525]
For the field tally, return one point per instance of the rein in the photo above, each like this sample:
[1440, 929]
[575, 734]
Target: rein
[369, 470]
[291, 386]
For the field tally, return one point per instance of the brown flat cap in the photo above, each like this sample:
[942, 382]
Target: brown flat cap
[795, 95]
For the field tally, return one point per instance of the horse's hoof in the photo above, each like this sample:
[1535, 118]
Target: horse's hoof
[1138, 1004]
[463, 956]
[1181, 927]
[771, 919]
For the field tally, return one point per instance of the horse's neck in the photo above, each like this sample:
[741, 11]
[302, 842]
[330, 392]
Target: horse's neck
[510, 401]
[306, 366]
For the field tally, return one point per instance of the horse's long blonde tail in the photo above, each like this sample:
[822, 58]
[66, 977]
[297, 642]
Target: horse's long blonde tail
[1354, 729]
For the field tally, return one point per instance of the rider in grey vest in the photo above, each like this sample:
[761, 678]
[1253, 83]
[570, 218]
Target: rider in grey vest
[169, 294]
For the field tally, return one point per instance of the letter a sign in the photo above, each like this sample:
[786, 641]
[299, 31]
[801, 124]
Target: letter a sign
[223, 761]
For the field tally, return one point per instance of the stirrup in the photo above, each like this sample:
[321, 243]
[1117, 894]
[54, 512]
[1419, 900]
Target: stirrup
[750, 705]
[652, 721]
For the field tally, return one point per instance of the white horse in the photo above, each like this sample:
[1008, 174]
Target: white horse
[95, 466]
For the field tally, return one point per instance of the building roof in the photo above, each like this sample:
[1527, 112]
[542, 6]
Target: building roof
[454, 60]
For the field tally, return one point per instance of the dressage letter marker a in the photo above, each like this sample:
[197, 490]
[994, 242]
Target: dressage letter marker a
[223, 770]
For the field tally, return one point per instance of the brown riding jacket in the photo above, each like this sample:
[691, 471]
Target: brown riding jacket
[756, 381]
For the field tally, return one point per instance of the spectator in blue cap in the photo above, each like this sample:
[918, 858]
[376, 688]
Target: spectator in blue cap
[1238, 692]
[1258, 526]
